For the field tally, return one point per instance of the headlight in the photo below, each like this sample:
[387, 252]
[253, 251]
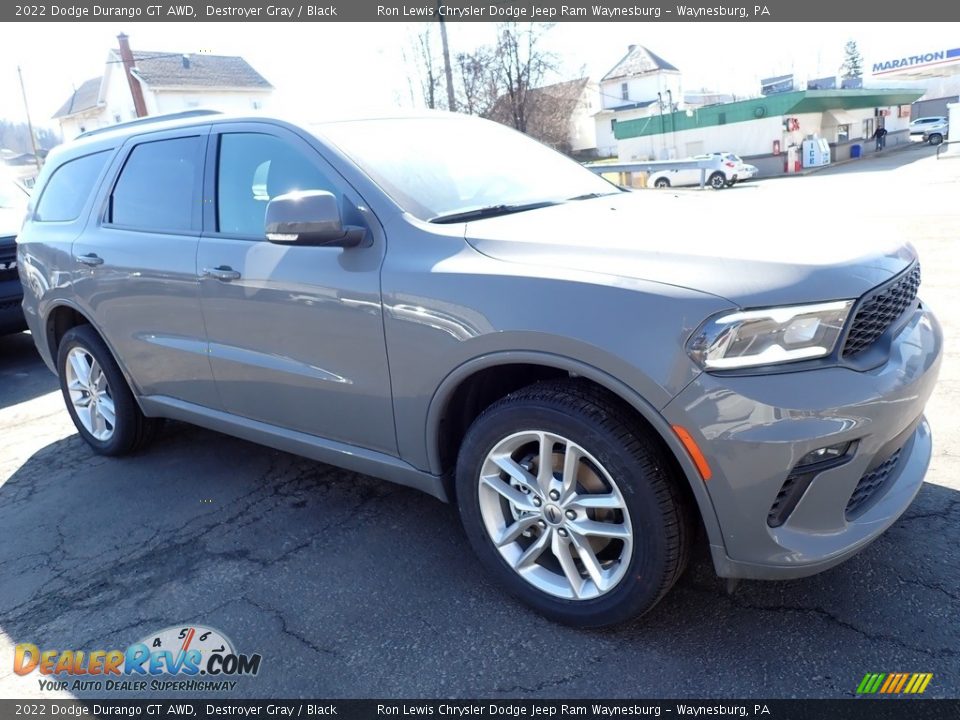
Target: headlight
[766, 337]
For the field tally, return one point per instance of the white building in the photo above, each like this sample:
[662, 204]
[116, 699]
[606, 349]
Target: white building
[641, 85]
[168, 82]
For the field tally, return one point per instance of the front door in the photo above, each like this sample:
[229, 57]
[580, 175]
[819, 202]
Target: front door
[296, 333]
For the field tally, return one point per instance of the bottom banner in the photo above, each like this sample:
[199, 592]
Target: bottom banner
[508, 709]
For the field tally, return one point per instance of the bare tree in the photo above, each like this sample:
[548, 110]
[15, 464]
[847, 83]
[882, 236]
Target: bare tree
[427, 69]
[522, 65]
[478, 81]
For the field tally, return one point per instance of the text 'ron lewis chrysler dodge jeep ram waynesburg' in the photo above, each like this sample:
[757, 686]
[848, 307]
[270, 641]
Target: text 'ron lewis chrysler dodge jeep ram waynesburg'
[447, 304]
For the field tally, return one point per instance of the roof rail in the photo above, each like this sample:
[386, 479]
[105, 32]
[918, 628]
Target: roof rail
[148, 121]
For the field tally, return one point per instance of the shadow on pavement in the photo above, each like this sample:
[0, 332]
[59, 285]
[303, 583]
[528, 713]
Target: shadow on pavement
[352, 587]
[22, 373]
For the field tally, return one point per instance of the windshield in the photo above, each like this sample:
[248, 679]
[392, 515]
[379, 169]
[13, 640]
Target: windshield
[447, 166]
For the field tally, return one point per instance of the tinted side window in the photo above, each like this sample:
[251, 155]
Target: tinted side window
[69, 187]
[252, 169]
[159, 186]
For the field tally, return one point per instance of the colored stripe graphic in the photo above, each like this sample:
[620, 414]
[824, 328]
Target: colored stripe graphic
[894, 683]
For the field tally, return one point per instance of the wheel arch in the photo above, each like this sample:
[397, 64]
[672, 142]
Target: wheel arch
[65, 315]
[447, 423]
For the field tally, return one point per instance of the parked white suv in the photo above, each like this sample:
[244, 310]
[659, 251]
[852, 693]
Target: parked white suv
[933, 129]
[720, 174]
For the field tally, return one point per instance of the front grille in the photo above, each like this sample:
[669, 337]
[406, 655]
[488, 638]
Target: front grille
[869, 484]
[8, 262]
[879, 309]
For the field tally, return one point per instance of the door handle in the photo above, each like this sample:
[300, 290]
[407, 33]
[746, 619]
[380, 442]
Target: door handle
[90, 259]
[224, 272]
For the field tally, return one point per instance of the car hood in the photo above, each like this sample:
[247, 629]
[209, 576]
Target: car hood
[781, 255]
[10, 221]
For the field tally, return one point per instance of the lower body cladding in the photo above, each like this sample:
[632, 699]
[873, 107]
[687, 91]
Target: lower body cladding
[809, 467]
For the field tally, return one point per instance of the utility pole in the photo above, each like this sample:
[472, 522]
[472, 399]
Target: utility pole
[26, 108]
[447, 70]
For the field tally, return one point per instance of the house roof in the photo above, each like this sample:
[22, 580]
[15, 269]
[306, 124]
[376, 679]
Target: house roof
[85, 97]
[559, 99]
[638, 61]
[164, 69]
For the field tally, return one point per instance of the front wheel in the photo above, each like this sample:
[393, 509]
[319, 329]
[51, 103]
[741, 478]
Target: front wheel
[662, 183]
[935, 138]
[717, 181]
[569, 504]
[97, 396]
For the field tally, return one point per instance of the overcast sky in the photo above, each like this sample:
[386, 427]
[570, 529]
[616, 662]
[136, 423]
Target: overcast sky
[359, 66]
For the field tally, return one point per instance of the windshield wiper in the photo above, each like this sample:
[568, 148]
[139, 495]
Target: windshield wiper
[591, 196]
[491, 211]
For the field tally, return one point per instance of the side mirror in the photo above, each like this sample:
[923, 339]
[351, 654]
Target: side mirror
[309, 217]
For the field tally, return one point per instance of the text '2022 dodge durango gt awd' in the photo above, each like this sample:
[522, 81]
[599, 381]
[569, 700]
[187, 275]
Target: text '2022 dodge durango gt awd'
[444, 303]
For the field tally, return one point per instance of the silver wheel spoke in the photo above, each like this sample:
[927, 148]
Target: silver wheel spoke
[561, 549]
[513, 496]
[545, 462]
[512, 532]
[616, 531]
[81, 369]
[512, 468]
[107, 410]
[595, 502]
[571, 465]
[82, 400]
[534, 551]
[589, 560]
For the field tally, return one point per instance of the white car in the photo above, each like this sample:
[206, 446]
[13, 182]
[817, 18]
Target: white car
[725, 169]
[921, 126]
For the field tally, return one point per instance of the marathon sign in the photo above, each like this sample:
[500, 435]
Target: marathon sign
[916, 61]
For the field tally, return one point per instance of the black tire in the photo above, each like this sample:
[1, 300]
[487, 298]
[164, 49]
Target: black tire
[661, 517]
[662, 183]
[131, 430]
[935, 138]
[717, 181]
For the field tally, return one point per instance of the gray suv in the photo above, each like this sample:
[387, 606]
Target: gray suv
[443, 303]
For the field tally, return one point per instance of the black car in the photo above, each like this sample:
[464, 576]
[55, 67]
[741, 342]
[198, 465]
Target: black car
[13, 203]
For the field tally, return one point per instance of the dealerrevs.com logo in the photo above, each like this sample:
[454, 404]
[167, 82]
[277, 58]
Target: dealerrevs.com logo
[202, 658]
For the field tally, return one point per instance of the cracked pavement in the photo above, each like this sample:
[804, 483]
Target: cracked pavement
[352, 587]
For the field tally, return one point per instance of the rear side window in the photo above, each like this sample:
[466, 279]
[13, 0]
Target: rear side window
[69, 187]
[159, 186]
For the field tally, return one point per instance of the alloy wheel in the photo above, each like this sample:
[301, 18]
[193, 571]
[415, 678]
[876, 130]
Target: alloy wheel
[90, 394]
[555, 515]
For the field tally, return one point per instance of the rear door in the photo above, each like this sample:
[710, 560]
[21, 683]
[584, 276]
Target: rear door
[135, 265]
[296, 333]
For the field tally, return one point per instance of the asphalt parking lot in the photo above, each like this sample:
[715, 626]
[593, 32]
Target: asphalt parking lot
[351, 587]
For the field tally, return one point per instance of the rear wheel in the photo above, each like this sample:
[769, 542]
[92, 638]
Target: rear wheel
[97, 396]
[569, 505]
[717, 181]
[662, 183]
[935, 138]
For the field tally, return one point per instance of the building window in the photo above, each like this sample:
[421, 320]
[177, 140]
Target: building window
[116, 117]
[255, 104]
[624, 91]
[868, 128]
[613, 124]
[843, 133]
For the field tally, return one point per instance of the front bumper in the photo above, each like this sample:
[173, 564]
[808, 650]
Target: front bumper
[754, 429]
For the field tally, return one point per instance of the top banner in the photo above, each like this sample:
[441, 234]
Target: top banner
[490, 11]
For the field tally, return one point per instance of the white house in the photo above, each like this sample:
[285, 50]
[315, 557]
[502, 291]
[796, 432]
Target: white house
[642, 84]
[167, 83]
